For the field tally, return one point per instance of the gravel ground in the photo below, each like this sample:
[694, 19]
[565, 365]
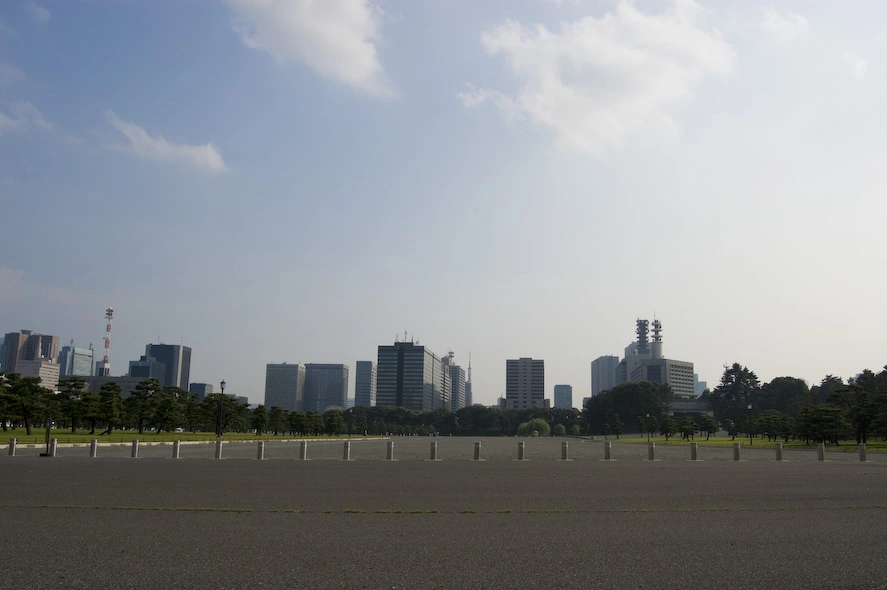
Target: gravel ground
[154, 522]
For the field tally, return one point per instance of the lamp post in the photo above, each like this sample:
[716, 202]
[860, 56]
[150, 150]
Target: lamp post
[219, 413]
[648, 426]
[750, 442]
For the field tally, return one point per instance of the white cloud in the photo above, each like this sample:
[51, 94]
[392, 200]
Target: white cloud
[40, 14]
[784, 28]
[336, 38]
[22, 115]
[858, 66]
[599, 81]
[154, 147]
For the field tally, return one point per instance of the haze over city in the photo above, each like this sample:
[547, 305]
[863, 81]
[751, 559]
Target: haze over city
[275, 181]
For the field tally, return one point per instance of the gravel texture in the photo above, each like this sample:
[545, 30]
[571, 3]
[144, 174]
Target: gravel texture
[75, 522]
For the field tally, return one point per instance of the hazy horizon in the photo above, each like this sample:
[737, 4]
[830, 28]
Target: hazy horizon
[271, 181]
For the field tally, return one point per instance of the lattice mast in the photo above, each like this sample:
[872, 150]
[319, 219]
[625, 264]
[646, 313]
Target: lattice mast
[106, 362]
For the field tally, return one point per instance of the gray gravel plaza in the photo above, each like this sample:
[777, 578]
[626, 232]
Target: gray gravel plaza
[197, 522]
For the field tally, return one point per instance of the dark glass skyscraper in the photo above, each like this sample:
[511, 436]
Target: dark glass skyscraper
[411, 376]
[177, 363]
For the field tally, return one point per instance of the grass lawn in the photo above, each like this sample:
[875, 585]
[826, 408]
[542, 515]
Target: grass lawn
[64, 436]
[848, 446]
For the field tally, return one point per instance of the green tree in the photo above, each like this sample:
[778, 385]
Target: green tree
[89, 409]
[636, 398]
[559, 430]
[739, 387]
[110, 405]
[71, 389]
[686, 427]
[731, 428]
[6, 397]
[333, 422]
[259, 419]
[652, 425]
[166, 412]
[707, 424]
[28, 399]
[616, 426]
[669, 427]
[277, 420]
[575, 430]
[536, 425]
[139, 403]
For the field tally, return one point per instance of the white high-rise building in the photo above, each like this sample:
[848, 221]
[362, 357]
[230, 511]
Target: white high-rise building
[284, 386]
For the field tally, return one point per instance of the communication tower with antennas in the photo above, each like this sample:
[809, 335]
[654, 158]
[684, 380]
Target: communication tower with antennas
[105, 370]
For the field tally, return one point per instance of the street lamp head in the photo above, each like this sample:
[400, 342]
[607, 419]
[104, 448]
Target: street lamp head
[223, 386]
[749, 406]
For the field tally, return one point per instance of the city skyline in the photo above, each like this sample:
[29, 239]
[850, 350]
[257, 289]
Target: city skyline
[270, 184]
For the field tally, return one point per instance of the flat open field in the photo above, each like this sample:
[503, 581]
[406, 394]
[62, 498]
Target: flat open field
[75, 522]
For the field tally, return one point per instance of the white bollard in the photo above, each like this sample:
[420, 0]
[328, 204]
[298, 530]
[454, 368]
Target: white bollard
[93, 448]
[779, 451]
[564, 451]
[434, 451]
[175, 448]
[862, 452]
[389, 451]
[820, 452]
[260, 451]
[12, 443]
[135, 448]
[346, 451]
[303, 451]
[521, 451]
[694, 451]
[219, 449]
[651, 451]
[477, 451]
[736, 453]
[608, 451]
[53, 445]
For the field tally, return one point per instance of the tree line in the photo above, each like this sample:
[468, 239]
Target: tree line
[785, 408]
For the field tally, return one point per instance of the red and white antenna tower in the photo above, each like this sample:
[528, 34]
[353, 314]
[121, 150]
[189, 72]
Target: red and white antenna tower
[106, 363]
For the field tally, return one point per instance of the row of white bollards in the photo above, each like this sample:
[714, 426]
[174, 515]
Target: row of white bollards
[434, 456]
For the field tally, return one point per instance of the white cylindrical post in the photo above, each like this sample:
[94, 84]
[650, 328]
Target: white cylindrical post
[779, 451]
[53, 445]
[135, 448]
[861, 452]
[93, 448]
[389, 451]
[736, 452]
[694, 451]
[608, 451]
[521, 451]
[651, 451]
[820, 452]
[175, 448]
[219, 449]
[346, 451]
[434, 451]
[12, 443]
[477, 450]
[260, 450]
[303, 451]
[565, 450]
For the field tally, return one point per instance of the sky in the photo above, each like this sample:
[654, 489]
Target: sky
[301, 181]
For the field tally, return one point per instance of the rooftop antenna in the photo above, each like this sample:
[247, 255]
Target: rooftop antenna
[469, 365]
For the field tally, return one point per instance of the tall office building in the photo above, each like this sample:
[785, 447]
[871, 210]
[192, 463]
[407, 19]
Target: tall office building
[645, 361]
[563, 397]
[412, 377]
[48, 372]
[524, 383]
[201, 390]
[326, 387]
[603, 373]
[284, 386]
[365, 384]
[27, 346]
[177, 361]
[456, 389]
[76, 361]
[147, 368]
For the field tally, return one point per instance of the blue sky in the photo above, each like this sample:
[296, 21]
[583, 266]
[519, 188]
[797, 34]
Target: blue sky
[270, 181]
